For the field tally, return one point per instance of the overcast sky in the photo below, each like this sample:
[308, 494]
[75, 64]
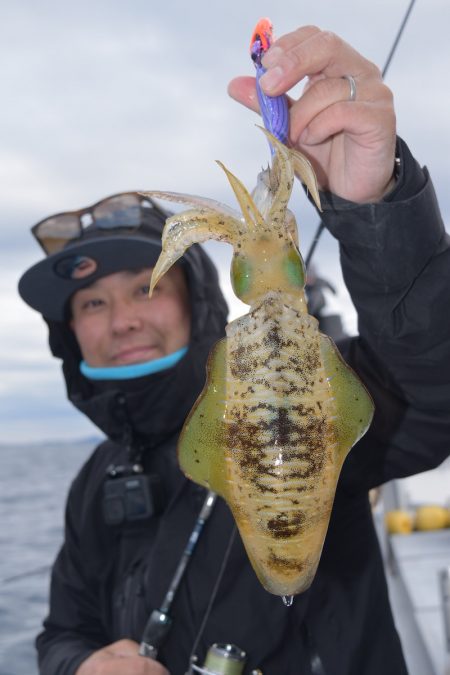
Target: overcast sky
[100, 97]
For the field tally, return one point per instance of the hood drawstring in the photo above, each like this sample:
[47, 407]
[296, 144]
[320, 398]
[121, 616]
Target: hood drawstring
[133, 448]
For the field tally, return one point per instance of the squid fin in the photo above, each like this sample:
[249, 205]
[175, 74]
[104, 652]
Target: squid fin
[353, 403]
[202, 441]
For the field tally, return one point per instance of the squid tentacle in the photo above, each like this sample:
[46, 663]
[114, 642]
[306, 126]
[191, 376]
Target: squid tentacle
[252, 216]
[194, 226]
[193, 200]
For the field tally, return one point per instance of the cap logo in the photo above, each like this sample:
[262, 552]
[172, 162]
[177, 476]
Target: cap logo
[75, 267]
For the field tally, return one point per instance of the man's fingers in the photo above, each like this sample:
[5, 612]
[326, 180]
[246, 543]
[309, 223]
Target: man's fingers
[123, 648]
[243, 90]
[291, 40]
[327, 92]
[292, 58]
[334, 119]
[320, 95]
[118, 658]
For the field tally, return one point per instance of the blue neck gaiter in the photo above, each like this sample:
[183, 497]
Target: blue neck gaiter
[133, 370]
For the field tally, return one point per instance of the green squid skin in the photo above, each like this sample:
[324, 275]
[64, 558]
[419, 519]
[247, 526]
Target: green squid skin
[241, 276]
[294, 269]
[280, 409]
[273, 448]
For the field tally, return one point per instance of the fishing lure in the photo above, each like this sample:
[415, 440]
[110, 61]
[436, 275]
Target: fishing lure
[274, 109]
[280, 409]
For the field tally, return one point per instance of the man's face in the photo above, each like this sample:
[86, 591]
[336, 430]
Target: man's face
[116, 323]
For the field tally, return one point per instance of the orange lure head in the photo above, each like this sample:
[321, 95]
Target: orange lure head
[261, 39]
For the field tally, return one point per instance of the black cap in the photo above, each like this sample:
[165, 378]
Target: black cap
[50, 283]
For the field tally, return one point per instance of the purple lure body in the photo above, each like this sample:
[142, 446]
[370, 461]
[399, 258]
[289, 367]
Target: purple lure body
[274, 109]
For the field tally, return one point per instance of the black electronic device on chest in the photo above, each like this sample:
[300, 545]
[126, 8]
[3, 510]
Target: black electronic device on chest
[129, 495]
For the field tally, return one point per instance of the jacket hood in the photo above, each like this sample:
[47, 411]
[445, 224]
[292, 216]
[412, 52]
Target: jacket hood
[144, 411]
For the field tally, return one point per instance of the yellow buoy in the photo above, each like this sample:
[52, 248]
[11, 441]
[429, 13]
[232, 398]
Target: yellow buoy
[398, 522]
[431, 518]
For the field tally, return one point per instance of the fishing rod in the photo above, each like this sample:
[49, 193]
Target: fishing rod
[229, 658]
[390, 56]
[159, 623]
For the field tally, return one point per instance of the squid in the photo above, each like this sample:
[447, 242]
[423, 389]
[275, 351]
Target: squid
[280, 409]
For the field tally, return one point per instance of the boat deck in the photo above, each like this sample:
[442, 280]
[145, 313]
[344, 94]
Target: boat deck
[413, 576]
[413, 564]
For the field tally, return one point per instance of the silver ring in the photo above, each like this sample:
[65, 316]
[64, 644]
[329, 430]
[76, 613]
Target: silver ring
[352, 83]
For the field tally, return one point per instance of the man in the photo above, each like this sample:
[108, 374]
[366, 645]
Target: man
[135, 368]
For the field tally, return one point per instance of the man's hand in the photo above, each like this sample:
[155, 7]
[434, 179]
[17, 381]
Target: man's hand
[120, 658]
[351, 144]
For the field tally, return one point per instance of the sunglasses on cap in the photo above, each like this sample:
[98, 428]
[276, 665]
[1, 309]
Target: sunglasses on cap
[122, 210]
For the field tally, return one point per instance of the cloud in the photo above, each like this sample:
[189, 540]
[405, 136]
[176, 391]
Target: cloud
[104, 97]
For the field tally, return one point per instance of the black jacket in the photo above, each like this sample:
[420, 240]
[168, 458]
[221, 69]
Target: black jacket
[107, 579]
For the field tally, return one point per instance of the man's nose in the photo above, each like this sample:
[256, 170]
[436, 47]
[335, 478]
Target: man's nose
[125, 317]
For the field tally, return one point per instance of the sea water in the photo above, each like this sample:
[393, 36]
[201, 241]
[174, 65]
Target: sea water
[34, 481]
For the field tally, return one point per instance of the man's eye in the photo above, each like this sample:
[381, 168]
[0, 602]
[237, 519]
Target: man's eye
[92, 303]
[145, 289]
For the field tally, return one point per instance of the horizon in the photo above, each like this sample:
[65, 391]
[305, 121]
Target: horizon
[105, 97]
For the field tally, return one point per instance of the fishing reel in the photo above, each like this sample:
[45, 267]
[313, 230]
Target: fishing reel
[221, 659]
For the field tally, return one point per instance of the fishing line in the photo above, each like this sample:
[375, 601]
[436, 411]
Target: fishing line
[321, 226]
[213, 595]
[397, 39]
[22, 575]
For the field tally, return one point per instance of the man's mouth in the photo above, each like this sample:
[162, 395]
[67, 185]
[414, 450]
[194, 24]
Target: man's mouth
[135, 355]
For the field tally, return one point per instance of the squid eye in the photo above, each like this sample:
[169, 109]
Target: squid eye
[294, 269]
[241, 272]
